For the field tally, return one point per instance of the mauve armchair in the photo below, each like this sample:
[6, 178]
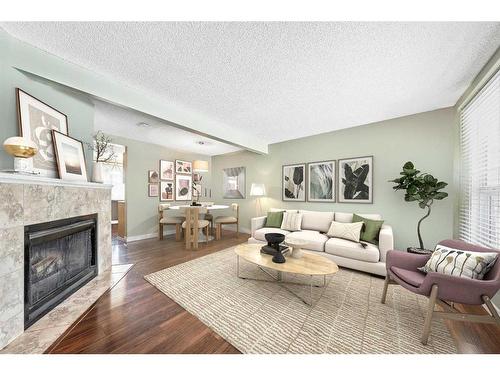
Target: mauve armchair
[444, 290]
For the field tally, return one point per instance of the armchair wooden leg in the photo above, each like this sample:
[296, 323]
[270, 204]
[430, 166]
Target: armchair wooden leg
[218, 231]
[386, 285]
[430, 312]
[237, 229]
[177, 232]
[493, 311]
[160, 231]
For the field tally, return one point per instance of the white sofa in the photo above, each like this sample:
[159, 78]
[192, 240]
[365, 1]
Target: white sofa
[345, 253]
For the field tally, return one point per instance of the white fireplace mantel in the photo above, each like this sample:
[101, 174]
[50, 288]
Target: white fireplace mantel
[18, 178]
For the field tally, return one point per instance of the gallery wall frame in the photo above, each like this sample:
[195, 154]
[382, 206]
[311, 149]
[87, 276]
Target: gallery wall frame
[322, 181]
[293, 182]
[355, 180]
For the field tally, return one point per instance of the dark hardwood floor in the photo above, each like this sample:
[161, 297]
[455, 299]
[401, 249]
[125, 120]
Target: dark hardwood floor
[134, 317]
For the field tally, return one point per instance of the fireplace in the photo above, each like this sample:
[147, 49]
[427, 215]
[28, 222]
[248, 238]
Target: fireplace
[59, 258]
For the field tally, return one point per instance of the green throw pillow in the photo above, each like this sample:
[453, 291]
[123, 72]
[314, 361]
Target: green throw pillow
[274, 219]
[371, 228]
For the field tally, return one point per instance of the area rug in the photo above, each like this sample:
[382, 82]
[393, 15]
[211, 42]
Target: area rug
[263, 317]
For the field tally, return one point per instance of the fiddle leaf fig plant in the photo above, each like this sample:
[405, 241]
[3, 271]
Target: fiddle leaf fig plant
[420, 187]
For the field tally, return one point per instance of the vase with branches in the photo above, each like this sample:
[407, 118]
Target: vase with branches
[422, 188]
[103, 152]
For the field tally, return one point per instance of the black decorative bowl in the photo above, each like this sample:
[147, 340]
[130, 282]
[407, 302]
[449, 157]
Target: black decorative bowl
[274, 240]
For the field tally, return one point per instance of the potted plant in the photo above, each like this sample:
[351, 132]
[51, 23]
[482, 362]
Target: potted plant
[422, 188]
[103, 152]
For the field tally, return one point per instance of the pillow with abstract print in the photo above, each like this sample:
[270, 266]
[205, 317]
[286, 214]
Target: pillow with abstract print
[461, 263]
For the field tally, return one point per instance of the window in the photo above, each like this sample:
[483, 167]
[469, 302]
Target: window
[479, 209]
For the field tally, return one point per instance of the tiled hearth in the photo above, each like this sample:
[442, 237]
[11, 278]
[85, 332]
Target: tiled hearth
[26, 200]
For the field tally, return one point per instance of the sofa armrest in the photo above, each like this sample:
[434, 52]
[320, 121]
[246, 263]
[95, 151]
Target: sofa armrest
[407, 261]
[385, 241]
[257, 223]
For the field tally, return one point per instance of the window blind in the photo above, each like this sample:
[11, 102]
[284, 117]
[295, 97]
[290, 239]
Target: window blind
[479, 202]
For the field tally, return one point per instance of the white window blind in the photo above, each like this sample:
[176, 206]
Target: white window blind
[479, 210]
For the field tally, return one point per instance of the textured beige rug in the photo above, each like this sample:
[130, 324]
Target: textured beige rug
[262, 317]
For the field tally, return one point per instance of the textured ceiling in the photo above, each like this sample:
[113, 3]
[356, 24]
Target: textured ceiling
[279, 80]
[123, 122]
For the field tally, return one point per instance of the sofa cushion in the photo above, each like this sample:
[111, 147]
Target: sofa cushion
[274, 219]
[347, 231]
[281, 209]
[345, 217]
[316, 241]
[291, 221]
[371, 228]
[316, 220]
[352, 250]
[414, 278]
[260, 234]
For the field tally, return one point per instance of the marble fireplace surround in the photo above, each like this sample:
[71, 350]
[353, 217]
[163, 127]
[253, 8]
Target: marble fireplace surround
[26, 200]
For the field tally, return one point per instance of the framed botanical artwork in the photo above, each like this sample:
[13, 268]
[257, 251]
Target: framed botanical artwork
[166, 170]
[233, 183]
[166, 191]
[321, 181]
[153, 177]
[294, 183]
[36, 121]
[183, 187]
[183, 167]
[356, 180]
[70, 157]
[152, 190]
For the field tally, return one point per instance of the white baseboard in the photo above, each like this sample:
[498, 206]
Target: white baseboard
[147, 236]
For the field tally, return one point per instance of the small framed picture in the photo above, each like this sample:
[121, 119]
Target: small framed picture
[294, 183]
[166, 170]
[36, 121]
[153, 177]
[70, 157]
[356, 180]
[183, 167]
[183, 188]
[166, 191]
[152, 190]
[321, 181]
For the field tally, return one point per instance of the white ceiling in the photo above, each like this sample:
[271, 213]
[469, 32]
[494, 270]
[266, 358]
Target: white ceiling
[122, 122]
[281, 80]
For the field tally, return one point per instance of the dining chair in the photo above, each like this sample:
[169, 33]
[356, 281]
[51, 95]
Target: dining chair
[225, 220]
[208, 216]
[164, 219]
[192, 225]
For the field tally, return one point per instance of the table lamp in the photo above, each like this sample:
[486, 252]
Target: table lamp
[22, 149]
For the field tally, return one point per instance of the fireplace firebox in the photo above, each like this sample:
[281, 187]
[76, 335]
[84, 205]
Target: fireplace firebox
[59, 258]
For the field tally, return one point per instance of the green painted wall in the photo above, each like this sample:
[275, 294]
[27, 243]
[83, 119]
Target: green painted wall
[142, 211]
[75, 105]
[426, 139]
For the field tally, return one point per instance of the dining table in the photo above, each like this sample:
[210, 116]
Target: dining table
[213, 207]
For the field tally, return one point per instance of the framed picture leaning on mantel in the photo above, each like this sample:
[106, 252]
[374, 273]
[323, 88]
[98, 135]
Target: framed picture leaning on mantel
[293, 182]
[70, 157]
[36, 120]
[356, 180]
[321, 181]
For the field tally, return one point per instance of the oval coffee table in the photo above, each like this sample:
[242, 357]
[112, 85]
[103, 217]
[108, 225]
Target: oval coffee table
[308, 265]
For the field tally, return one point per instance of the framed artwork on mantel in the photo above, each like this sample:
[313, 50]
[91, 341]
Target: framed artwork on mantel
[36, 121]
[356, 180]
[70, 158]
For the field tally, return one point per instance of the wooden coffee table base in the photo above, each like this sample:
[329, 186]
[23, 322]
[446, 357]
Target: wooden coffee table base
[278, 278]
